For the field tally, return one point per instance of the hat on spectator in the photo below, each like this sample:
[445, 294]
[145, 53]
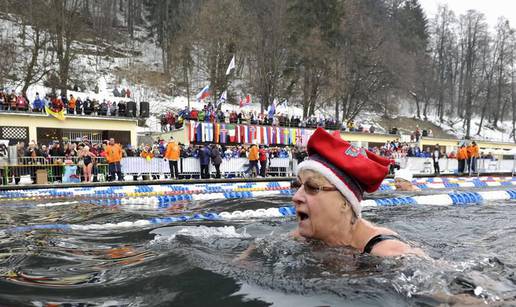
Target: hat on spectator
[352, 170]
[404, 174]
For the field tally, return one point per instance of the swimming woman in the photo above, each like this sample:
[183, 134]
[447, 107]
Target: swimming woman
[331, 183]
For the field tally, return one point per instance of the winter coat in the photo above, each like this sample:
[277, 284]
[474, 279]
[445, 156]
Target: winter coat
[253, 153]
[204, 155]
[173, 151]
[215, 156]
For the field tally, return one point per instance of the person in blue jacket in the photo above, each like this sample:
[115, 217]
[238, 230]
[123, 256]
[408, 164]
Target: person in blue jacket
[204, 159]
[37, 105]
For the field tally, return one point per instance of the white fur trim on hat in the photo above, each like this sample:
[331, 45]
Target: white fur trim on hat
[333, 179]
[404, 174]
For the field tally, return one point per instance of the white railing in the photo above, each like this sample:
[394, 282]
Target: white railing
[233, 167]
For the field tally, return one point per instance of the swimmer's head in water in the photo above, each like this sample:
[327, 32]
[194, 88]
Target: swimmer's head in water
[351, 170]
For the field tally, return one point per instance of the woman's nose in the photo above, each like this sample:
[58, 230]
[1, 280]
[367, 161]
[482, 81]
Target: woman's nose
[298, 196]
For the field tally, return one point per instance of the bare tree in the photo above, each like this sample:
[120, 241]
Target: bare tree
[36, 58]
[66, 27]
[473, 30]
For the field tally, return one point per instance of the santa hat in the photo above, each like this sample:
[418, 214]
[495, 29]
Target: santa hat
[352, 170]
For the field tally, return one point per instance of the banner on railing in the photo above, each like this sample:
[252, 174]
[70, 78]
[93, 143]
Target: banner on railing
[200, 132]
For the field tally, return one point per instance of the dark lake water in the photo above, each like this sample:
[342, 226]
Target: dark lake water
[472, 258]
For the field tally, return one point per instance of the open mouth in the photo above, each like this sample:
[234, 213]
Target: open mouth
[302, 216]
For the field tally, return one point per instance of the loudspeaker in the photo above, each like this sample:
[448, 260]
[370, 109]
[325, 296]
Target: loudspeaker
[144, 109]
[131, 109]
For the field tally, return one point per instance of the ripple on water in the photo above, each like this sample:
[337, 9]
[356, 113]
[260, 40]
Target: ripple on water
[472, 250]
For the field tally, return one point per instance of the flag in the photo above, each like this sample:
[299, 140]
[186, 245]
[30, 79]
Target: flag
[246, 102]
[286, 137]
[246, 135]
[223, 98]
[199, 133]
[209, 132]
[231, 66]
[204, 132]
[252, 134]
[299, 137]
[265, 135]
[231, 132]
[283, 107]
[205, 92]
[217, 132]
[191, 130]
[59, 115]
[271, 110]
[223, 133]
[258, 136]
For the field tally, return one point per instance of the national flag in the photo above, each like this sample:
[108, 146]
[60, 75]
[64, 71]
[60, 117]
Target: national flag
[231, 66]
[223, 98]
[191, 130]
[231, 132]
[217, 132]
[246, 102]
[265, 135]
[205, 92]
[223, 134]
[278, 135]
[59, 115]
[198, 138]
[299, 136]
[283, 107]
[286, 138]
[293, 136]
[246, 134]
[209, 132]
[252, 134]
[271, 110]
[259, 135]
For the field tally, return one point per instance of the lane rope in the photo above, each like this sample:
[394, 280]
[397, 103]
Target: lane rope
[449, 199]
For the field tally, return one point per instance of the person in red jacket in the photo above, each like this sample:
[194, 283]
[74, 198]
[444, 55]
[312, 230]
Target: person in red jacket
[262, 156]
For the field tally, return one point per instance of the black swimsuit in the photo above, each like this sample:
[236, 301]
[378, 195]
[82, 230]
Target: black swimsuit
[87, 160]
[377, 239]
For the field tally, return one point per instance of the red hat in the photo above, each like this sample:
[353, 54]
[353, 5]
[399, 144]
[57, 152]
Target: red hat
[352, 170]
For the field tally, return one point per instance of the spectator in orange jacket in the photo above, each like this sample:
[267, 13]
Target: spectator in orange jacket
[473, 155]
[172, 154]
[72, 103]
[253, 159]
[113, 157]
[462, 156]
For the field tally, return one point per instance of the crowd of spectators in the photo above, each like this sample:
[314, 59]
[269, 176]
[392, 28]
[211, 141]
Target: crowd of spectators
[90, 154]
[11, 101]
[175, 119]
[87, 155]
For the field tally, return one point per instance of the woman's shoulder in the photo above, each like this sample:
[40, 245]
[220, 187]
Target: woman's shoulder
[387, 243]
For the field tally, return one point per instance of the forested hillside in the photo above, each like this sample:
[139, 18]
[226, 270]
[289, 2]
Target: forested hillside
[341, 56]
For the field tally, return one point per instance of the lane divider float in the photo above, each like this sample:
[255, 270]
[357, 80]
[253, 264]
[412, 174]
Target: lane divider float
[450, 199]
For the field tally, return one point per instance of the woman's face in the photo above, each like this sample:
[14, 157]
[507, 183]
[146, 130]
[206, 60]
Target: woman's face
[319, 212]
[402, 184]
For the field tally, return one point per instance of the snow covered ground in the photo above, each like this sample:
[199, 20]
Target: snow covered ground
[101, 71]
